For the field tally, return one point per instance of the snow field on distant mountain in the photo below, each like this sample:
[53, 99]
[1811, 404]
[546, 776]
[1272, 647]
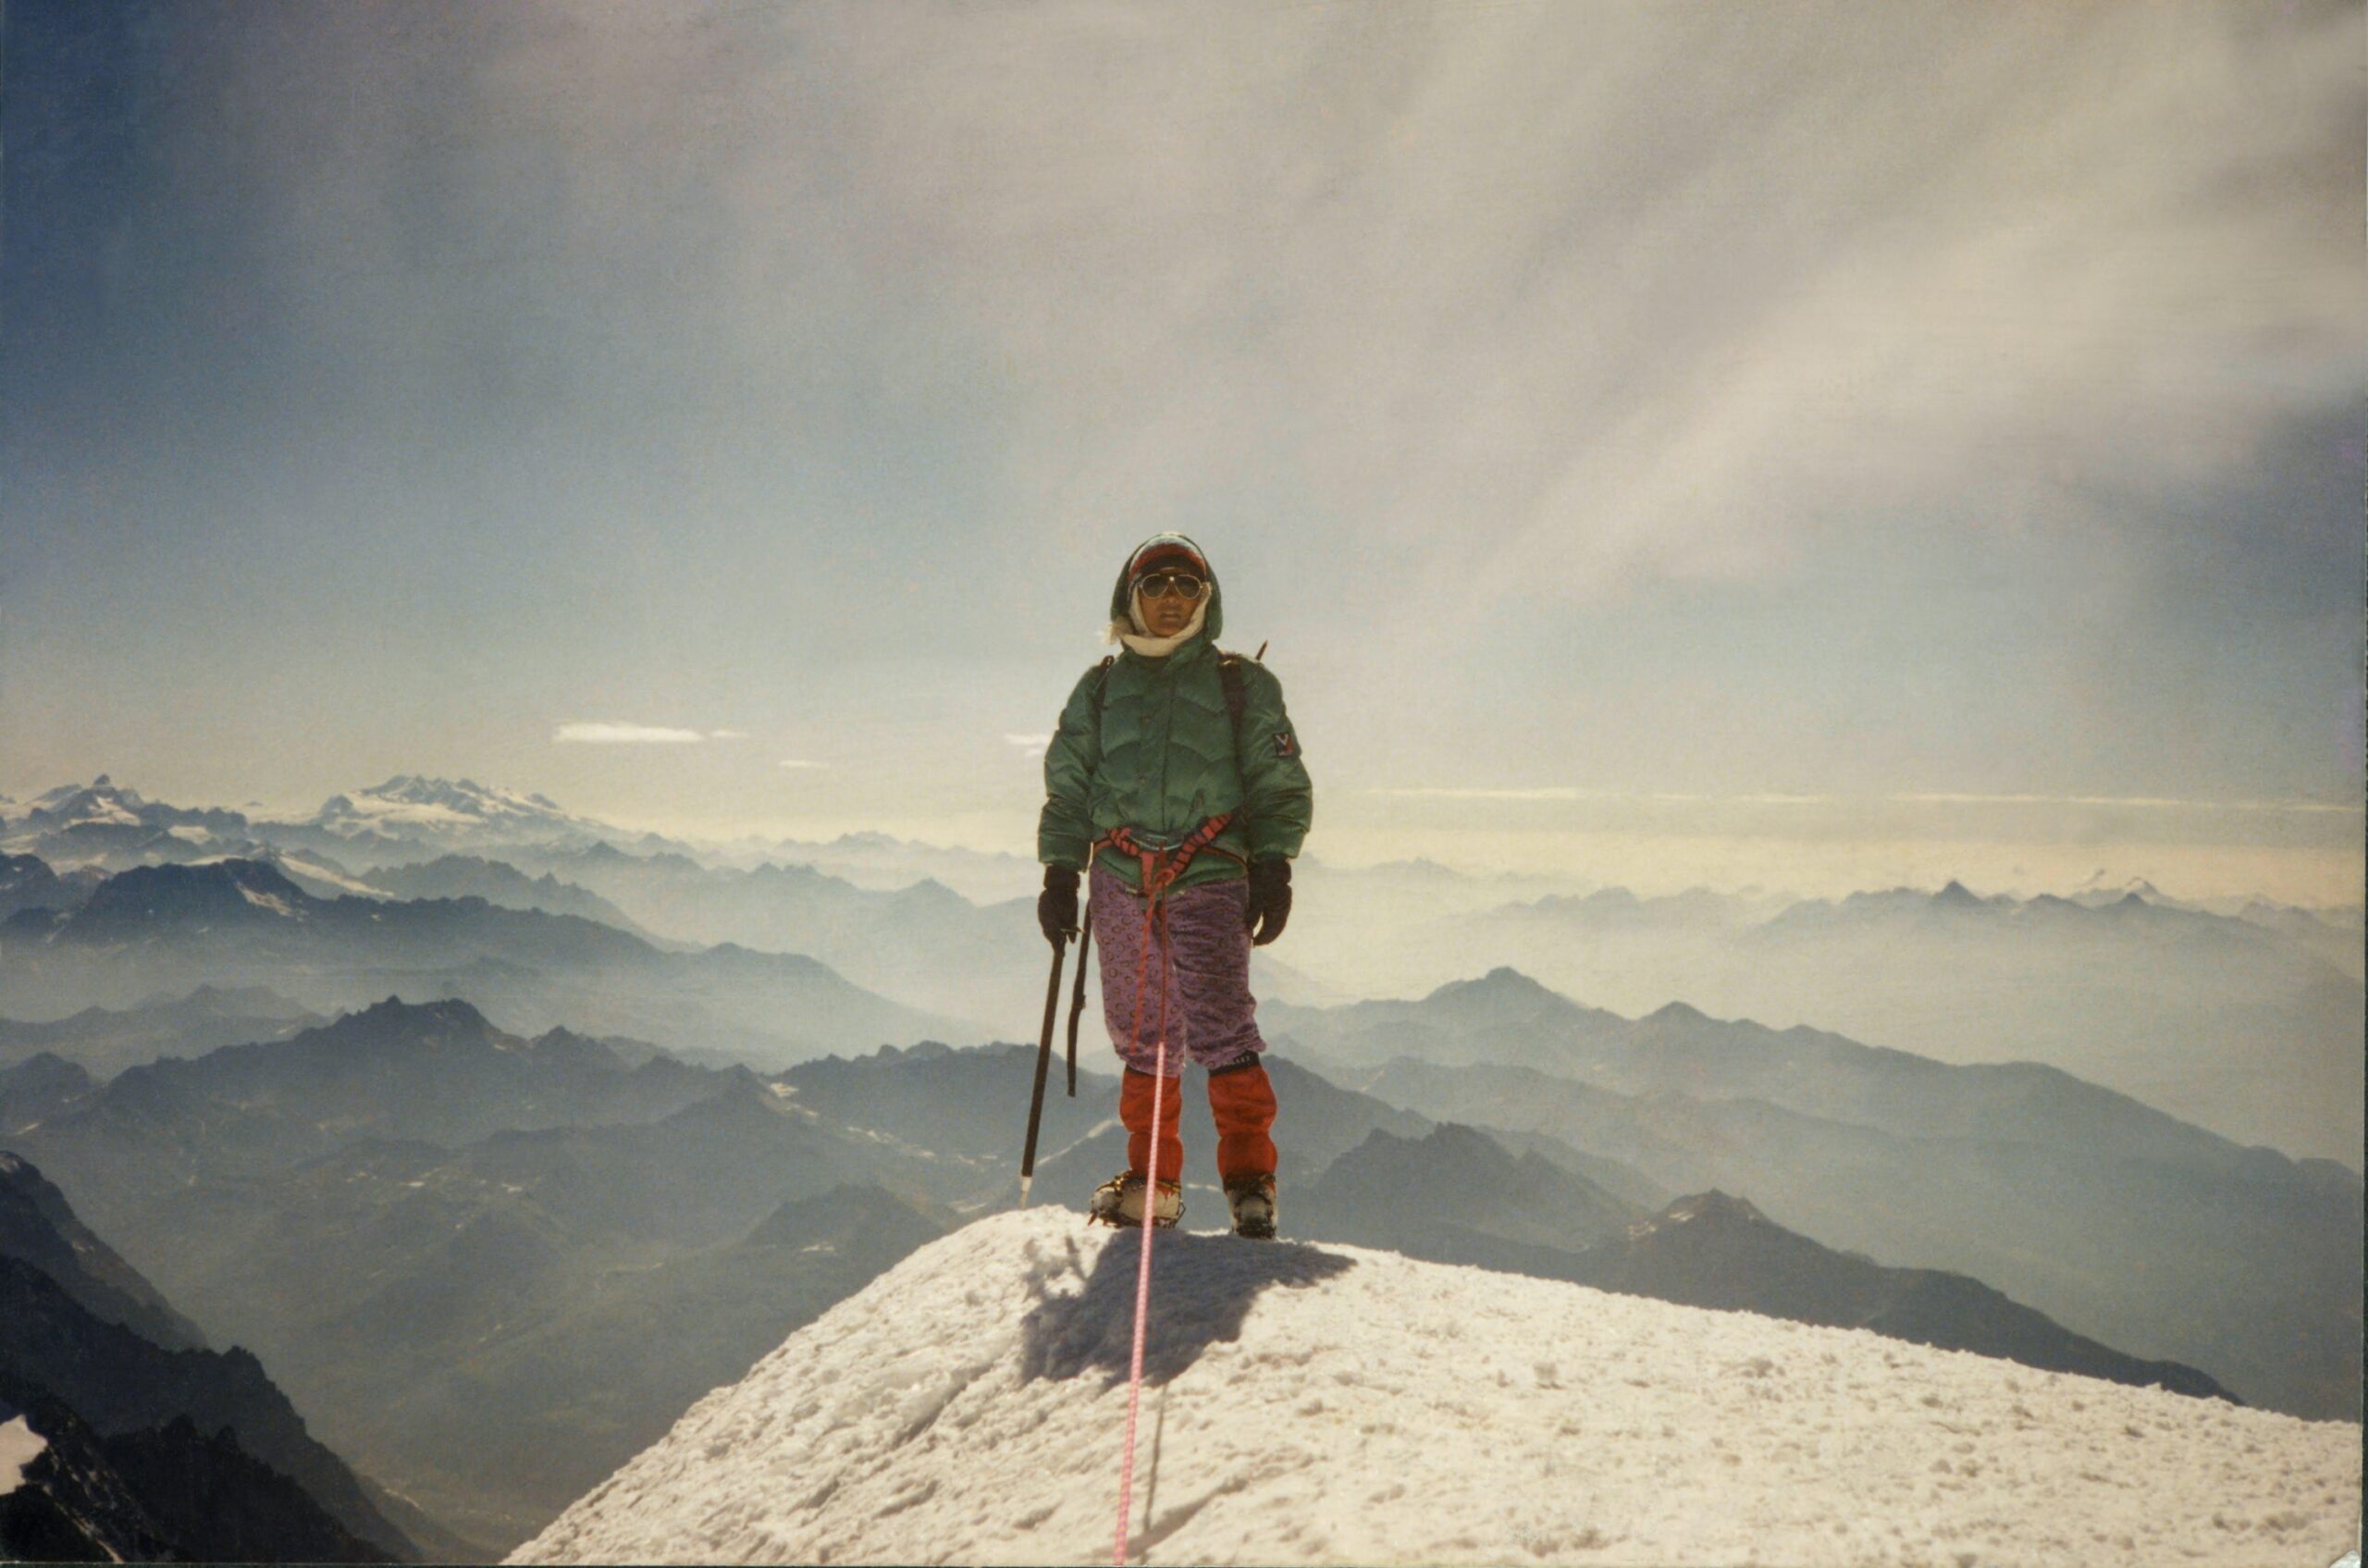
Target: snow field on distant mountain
[1337, 1404]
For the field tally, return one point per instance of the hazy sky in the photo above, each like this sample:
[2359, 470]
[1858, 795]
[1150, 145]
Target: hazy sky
[1673, 443]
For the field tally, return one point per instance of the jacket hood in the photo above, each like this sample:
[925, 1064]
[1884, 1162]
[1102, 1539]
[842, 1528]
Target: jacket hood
[1212, 616]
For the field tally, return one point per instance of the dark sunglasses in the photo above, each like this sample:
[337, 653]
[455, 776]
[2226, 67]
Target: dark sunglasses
[1158, 583]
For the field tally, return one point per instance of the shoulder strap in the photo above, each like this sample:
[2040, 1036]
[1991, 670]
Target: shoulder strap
[1229, 676]
[1099, 681]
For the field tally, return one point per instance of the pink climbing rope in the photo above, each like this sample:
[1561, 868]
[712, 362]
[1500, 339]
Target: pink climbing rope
[1142, 1313]
[1151, 1211]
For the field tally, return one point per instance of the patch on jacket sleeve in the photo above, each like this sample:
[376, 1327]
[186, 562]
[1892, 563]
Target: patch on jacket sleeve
[1284, 745]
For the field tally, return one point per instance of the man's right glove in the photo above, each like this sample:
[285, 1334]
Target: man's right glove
[1056, 905]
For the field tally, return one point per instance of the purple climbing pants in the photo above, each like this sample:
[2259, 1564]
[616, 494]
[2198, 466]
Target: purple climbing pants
[1204, 955]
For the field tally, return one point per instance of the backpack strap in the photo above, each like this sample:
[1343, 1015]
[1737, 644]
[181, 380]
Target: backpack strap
[1101, 681]
[1229, 676]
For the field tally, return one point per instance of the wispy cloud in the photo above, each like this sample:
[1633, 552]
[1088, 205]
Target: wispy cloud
[1566, 793]
[608, 733]
[1490, 274]
[1034, 746]
[727, 734]
[1933, 797]
[801, 762]
[1443, 792]
[1956, 246]
[2154, 801]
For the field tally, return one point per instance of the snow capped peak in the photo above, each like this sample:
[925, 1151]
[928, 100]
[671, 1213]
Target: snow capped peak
[417, 807]
[1336, 1404]
[467, 795]
[101, 800]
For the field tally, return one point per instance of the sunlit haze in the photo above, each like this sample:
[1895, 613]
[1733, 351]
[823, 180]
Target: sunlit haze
[1800, 447]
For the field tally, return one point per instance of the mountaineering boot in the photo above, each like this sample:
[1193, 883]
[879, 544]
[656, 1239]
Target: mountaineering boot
[1136, 1092]
[1241, 1097]
[1252, 1200]
[1119, 1201]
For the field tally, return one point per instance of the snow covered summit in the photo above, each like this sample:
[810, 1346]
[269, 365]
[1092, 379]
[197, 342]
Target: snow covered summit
[410, 805]
[1332, 1403]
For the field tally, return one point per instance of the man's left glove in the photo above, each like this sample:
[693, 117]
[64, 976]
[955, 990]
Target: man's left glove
[1056, 905]
[1270, 898]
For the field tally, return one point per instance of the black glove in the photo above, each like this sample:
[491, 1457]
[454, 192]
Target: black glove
[1056, 905]
[1270, 898]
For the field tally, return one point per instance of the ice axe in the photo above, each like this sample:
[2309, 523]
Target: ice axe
[1043, 1063]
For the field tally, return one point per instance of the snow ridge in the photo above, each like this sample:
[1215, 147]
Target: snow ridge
[1335, 1403]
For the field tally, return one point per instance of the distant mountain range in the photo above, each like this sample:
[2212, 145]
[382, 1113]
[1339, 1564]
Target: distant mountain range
[2240, 1015]
[1711, 1250]
[1459, 1197]
[481, 1262]
[105, 1042]
[27, 882]
[2248, 1026]
[234, 923]
[410, 817]
[492, 1266]
[2142, 1230]
[925, 944]
[405, 818]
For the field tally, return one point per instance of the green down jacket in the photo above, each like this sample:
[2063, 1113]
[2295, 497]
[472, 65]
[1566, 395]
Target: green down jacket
[1163, 759]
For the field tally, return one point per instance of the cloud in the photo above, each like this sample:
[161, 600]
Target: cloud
[1483, 287]
[1538, 300]
[2156, 802]
[611, 733]
[608, 733]
[1032, 745]
[1461, 794]
[1914, 798]
[1565, 793]
[801, 762]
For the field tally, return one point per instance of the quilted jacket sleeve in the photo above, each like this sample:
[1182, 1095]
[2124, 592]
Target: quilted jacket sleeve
[1281, 801]
[1065, 829]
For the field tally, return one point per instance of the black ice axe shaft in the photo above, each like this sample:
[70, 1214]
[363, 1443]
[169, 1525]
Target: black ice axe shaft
[1044, 1062]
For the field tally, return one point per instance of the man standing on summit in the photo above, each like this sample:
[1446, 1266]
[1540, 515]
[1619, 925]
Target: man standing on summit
[1175, 781]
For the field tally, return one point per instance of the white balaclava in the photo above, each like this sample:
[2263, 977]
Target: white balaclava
[1138, 637]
